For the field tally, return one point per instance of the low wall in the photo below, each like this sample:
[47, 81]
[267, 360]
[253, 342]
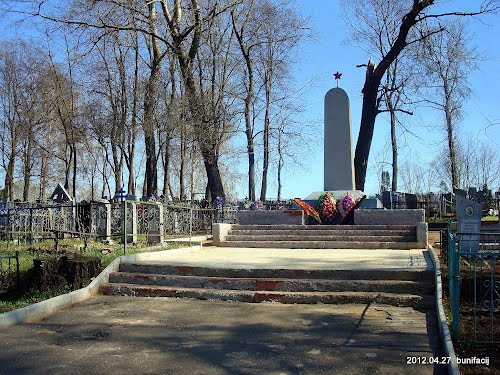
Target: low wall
[272, 217]
[388, 217]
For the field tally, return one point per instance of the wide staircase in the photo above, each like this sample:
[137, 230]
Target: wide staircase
[413, 288]
[323, 236]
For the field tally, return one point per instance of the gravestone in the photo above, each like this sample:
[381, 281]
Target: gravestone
[131, 216]
[411, 201]
[100, 220]
[469, 223]
[155, 227]
[338, 160]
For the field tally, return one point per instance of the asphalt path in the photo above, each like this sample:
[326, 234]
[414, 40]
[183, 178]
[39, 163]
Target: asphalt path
[130, 335]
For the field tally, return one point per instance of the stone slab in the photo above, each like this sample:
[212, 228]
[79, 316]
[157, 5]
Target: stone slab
[312, 259]
[371, 203]
[269, 217]
[388, 217]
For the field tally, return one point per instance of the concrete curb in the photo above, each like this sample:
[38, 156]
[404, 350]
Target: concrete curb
[42, 309]
[444, 331]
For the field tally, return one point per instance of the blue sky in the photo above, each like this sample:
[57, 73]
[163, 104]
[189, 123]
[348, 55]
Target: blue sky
[329, 53]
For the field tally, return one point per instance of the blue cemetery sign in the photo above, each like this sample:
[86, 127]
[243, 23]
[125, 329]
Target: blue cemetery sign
[121, 195]
[469, 224]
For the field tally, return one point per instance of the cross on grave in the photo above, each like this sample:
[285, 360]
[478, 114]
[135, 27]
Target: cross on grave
[121, 195]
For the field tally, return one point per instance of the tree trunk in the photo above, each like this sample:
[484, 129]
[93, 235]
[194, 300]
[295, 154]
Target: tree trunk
[74, 172]
[368, 115]
[280, 164]
[265, 163]
[27, 165]
[9, 178]
[150, 101]
[394, 144]
[373, 78]
[213, 173]
[182, 165]
[451, 141]
[166, 166]
[131, 186]
[43, 176]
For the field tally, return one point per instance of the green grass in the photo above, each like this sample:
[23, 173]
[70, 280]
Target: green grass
[16, 301]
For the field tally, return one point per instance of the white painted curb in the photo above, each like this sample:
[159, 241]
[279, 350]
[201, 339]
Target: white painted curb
[444, 331]
[42, 309]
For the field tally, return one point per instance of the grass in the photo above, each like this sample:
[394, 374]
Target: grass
[19, 300]
[28, 252]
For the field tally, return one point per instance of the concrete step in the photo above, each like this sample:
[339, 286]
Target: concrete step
[321, 233]
[322, 227]
[395, 299]
[273, 284]
[323, 237]
[323, 244]
[274, 273]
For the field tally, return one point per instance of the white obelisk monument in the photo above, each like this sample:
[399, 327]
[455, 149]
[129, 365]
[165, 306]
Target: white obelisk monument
[339, 163]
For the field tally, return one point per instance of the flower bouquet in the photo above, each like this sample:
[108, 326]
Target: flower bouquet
[327, 208]
[256, 206]
[307, 208]
[218, 203]
[347, 204]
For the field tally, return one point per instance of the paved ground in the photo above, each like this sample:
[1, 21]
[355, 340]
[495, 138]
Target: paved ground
[127, 335]
[341, 259]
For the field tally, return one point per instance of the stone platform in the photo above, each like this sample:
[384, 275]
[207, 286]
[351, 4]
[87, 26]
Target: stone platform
[321, 236]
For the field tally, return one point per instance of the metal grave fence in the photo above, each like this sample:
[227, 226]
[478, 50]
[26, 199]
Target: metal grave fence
[8, 265]
[131, 220]
[474, 286]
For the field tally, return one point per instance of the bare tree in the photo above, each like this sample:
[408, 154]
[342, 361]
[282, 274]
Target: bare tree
[448, 59]
[417, 15]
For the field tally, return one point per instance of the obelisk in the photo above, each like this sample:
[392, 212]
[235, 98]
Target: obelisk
[339, 163]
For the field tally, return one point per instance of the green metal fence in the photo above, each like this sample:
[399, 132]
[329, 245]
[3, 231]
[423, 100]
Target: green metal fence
[474, 286]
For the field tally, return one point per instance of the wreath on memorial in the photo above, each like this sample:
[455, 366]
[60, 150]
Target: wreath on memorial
[307, 209]
[257, 206]
[327, 208]
[347, 203]
[218, 203]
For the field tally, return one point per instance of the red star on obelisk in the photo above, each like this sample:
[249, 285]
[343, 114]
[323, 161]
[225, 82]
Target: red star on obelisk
[337, 77]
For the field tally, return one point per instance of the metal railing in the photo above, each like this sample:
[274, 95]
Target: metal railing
[474, 286]
[6, 270]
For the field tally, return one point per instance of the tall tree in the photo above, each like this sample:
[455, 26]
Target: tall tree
[418, 15]
[448, 59]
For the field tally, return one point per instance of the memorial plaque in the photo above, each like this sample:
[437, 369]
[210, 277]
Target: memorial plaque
[469, 224]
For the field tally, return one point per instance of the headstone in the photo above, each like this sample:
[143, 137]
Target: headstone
[387, 199]
[155, 223]
[411, 201]
[100, 219]
[339, 164]
[469, 224]
[371, 203]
